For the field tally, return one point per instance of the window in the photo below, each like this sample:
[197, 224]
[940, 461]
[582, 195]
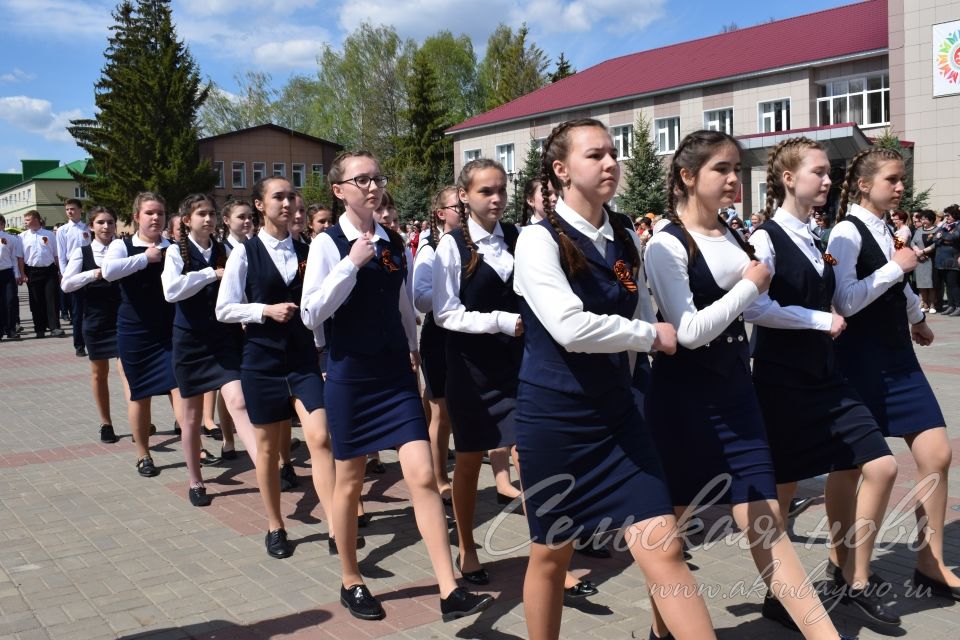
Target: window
[622, 140]
[316, 170]
[761, 196]
[470, 155]
[774, 116]
[79, 192]
[505, 156]
[218, 169]
[238, 171]
[538, 143]
[667, 132]
[299, 171]
[719, 120]
[280, 169]
[865, 101]
[259, 171]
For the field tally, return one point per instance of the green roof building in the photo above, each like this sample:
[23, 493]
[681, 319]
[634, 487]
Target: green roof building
[42, 185]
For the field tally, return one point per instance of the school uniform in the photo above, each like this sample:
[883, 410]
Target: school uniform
[206, 353]
[701, 405]
[371, 393]
[9, 273]
[480, 314]
[875, 351]
[588, 461]
[40, 265]
[815, 421]
[279, 360]
[70, 236]
[433, 338]
[101, 299]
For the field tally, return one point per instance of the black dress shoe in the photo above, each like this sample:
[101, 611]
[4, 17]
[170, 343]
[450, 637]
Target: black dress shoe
[41, 334]
[474, 577]
[772, 609]
[876, 581]
[798, 506]
[502, 499]
[361, 603]
[288, 478]
[870, 603]
[363, 521]
[13, 336]
[214, 433]
[579, 591]
[198, 496]
[654, 636]
[207, 459]
[107, 434]
[146, 468]
[461, 603]
[228, 454]
[81, 352]
[332, 545]
[375, 466]
[176, 428]
[935, 587]
[277, 545]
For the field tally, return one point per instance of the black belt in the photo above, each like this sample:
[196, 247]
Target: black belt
[27, 267]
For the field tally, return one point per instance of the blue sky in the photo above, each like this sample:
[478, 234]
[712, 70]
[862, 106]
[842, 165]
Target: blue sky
[51, 51]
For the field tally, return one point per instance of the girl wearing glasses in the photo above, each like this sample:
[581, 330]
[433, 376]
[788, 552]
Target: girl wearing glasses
[355, 291]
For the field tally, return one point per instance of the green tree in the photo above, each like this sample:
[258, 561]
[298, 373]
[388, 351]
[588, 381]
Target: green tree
[511, 68]
[316, 190]
[252, 106]
[910, 201]
[530, 170]
[563, 70]
[455, 64]
[646, 188]
[145, 133]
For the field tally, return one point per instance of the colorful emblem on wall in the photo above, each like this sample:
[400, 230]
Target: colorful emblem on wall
[946, 58]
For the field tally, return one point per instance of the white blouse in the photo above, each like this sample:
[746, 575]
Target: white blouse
[73, 277]
[541, 281]
[117, 264]
[448, 311]
[768, 313]
[666, 263]
[423, 278]
[852, 294]
[179, 286]
[330, 279]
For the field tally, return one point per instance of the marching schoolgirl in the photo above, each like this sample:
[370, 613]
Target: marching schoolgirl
[875, 353]
[144, 320]
[587, 463]
[262, 287]
[445, 211]
[320, 218]
[816, 423]
[102, 298]
[355, 279]
[237, 217]
[701, 405]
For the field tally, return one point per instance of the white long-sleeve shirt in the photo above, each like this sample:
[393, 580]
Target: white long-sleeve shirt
[768, 313]
[423, 279]
[666, 263]
[852, 294]
[541, 281]
[11, 253]
[117, 264]
[448, 311]
[71, 236]
[179, 286]
[73, 276]
[329, 280]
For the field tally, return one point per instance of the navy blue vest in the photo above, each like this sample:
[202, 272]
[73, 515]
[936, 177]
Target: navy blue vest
[142, 305]
[369, 322]
[723, 355]
[198, 312]
[274, 346]
[485, 292]
[101, 297]
[797, 283]
[885, 319]
[545, 362]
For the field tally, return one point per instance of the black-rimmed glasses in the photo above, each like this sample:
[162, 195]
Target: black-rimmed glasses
[363, 182]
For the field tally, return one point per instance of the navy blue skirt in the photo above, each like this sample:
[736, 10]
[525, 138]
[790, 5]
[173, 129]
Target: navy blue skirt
[147, 361]
[814, 425]
[891, 384]
[433, 360]
[372, 403]
[481, 399]
[101, 343]
[269, 396]
[205, 361]
[711, 436]
[587, 465]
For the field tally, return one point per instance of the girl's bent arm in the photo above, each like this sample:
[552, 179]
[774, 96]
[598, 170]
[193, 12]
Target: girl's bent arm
[232, 305]
[179, 286]
[327, 282]
[73, 278]
[853, 294]
[117, 264]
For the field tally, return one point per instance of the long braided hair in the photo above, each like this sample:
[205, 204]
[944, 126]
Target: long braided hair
[786, 155]
[693, 153]
[463, 185]
[186, 208]
[864, 165]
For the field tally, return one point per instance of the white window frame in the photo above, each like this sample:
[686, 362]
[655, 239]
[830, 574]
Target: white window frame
[830, 98]
[316, 170]
[80, 192]
[507, 156]
[662, 127]
[622, 140]
[259, 171]
[282, 173]
[761, 117]
[712, 120]
[761, 196]
[235, 166]
[301, 169]
[218, 167]
[469, 155]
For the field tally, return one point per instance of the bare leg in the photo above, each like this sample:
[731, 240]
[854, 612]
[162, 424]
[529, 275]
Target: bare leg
[189, 418]
[543, 589]
[439, 429]
[321, 456]
[99, 370]
[878, 478]
[466, 473]
[931, 451]
[500, 463]
[232, 396]
[346, 494]
[138, 413]
[226, 423]
[209, 409]
[285, 438]
[785, 493]
[840, 496]
[268, 454]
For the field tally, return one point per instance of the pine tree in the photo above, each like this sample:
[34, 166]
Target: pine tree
[645, 190]
[563, 70]
[531, 170]
[909, 201]
[144, 136]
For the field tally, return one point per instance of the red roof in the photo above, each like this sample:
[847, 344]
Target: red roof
[851, 29]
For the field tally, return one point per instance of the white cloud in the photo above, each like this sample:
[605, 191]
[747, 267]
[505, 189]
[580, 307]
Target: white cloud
[69, 18]
[17, 75]
[226, 7]
[292, 54]
[36, 116]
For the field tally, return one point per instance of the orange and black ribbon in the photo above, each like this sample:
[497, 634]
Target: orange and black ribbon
[45, 239]
[3, 241]
[302, 268]
[623, 274]
[898, 243]
[386, 259]
[829, 259]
